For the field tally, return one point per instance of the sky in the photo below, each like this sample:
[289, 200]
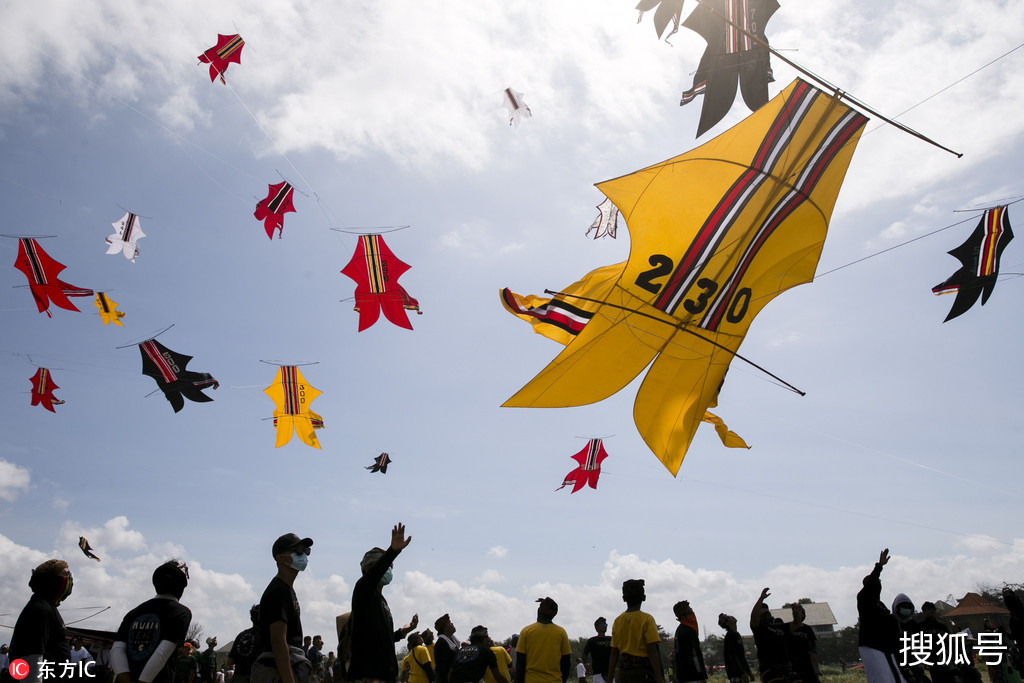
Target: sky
[389, 114]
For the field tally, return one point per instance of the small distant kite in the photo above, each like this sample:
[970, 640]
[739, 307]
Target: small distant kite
[667, 10]
[86, 548]
[127, 233]
[380, 464]
[737, 53]
[376, 270]
[168, 369]
[589, 459]
[272, 209]
[517, 109]
[607, 221]
[227, 50]
[292, 396]
[42, 271]
[108, 310]
[980, 258]
[43, 387]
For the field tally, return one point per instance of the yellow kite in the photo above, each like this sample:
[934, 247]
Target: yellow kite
[716, 233]
[108, 310]
[292, 396]
[563, 316]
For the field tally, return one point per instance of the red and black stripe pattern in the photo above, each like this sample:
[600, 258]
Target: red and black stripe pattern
[738, 198]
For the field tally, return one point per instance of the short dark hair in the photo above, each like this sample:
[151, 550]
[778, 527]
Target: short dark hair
[171, 578]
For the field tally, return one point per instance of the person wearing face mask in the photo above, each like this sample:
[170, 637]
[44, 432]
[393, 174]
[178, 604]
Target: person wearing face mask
[39, 633]
[903, 608]
[280, 625]
[150, 635]
[879, 637]
[372, 628]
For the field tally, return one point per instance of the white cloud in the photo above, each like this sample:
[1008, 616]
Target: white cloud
[13, 480]
[113, 535]
[489, 576]
[785, 340]
[981, 544]
[221, 601]
[498, 551]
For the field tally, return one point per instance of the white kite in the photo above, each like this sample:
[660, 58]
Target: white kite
[126, 233]
[517, 109]
[607, 222]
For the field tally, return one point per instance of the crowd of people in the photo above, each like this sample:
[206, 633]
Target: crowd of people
[151, 644]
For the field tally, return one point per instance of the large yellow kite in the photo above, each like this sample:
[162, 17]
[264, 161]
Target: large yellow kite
[716, 233]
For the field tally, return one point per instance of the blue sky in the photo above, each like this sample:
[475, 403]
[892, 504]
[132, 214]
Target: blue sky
[382, 116]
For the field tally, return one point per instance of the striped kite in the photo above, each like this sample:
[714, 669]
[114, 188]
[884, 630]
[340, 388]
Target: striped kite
[42, 271]
[376, 271]
[980, 258]
[227, 50]
[716, 234]
[292, 396]
[589, 459]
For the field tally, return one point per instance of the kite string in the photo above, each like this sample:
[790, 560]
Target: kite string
[822, 81]
[273, 142]
[956, 82]
[682, 327]
[122, 102]
[818, 276]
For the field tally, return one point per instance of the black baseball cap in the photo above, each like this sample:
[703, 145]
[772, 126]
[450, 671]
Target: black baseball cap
[289, 541]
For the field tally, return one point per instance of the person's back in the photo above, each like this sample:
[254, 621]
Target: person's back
[476, 659]
[150, 635]
[504, 659]
[246, 648]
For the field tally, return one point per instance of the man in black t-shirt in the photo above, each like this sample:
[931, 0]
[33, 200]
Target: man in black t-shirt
[150, 635]
[472, 661]
[39, 634]
[599, 649]
[246, 648]
[280, 626]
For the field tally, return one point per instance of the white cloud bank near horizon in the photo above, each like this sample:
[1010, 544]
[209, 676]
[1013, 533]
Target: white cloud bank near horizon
[220, 601]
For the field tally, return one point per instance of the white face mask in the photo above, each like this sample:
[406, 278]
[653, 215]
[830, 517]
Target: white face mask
[386, 579]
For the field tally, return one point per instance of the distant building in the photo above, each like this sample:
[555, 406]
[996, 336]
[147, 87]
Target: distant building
[973, 611]
[818, 616]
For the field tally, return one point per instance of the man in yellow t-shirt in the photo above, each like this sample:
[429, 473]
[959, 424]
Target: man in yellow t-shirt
[635, 657]
[503, 658]
[542, 653]
[418, 660]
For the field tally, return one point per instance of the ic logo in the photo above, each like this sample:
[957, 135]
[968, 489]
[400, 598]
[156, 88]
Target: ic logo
[19, 669]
